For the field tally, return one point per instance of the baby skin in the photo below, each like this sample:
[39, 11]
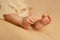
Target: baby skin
[45, 20]
[36, 21]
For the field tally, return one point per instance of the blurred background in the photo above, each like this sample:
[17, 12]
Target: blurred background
[51, 7]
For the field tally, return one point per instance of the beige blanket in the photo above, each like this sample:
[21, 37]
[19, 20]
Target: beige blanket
[9, 31]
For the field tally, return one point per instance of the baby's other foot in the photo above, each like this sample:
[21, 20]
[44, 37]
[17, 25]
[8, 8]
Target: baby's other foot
[45, 20]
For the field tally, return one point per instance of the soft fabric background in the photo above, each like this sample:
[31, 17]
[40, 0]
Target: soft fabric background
[51, 7]
[50, 32]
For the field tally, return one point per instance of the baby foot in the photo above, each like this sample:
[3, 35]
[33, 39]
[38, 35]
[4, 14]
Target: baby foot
[26, 23]
[45, 20]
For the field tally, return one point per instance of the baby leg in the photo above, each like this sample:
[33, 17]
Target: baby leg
[17, 20]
